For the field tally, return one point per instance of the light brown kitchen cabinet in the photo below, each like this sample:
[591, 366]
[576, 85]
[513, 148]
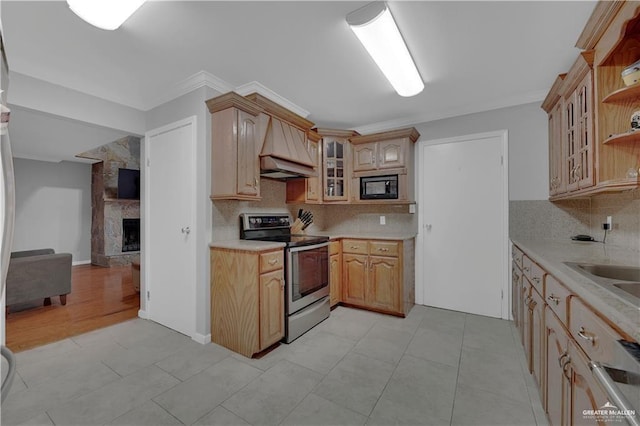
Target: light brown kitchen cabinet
[586, 393]
[386, 150]
[237, 127]
[374, 273]
[598, 150]
[572, 334]
[336, 167]
[557, 379]
[247, 299]
[335, 273]
[271, 308]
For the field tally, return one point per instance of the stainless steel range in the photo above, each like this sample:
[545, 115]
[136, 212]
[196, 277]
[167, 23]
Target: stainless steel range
[306, 270]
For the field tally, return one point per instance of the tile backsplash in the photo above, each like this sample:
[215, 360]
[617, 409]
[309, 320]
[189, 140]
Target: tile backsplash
[327, 218]
[562, 219]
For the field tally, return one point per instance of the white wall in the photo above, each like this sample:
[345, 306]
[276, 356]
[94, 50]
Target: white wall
[528, 144]
[185, 106]
[53, 207]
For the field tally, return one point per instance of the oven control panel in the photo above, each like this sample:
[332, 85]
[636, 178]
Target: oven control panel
[261, 221]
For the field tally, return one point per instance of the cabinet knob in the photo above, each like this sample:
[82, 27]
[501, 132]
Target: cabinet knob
[554, 299]
[383, 249]
[273, 261]
[536, 279]
[583, 334]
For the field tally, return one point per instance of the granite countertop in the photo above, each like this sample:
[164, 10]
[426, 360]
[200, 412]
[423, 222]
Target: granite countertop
[391, 236]
[550, 255]
[247, 245]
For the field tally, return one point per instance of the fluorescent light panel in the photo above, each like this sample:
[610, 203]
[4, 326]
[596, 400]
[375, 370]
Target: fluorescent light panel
[105, 14]
[374, 25]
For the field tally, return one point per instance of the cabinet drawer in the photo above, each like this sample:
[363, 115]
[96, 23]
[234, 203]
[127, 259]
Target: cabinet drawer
[383, 248]
[516, 255]
[534, 274]
[354, 246]
[557, 298]
[271, 261]
[334, 247]
[593, 335]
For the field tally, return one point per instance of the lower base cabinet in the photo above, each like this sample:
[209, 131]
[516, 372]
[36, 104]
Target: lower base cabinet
[335, 273]
[561, 334]
[247, 299]
[378, 275]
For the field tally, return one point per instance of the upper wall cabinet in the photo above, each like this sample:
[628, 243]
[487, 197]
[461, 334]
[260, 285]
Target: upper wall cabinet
[336, 167]
[237, 132]
[386, 150]
[592, 145]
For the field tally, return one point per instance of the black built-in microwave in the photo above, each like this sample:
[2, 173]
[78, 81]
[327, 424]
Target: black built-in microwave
[379, 187]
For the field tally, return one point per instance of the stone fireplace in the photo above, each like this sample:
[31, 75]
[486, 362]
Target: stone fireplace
[115, 223]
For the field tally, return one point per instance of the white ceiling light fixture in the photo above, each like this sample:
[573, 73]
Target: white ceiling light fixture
[374, 25]
[105, 14]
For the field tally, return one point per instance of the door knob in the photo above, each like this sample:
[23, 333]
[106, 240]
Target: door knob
[186, 230]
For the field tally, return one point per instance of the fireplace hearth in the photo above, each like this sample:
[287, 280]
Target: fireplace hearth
[130, 235]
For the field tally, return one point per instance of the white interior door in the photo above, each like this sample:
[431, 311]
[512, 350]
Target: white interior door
[463, 241]
[170, 254]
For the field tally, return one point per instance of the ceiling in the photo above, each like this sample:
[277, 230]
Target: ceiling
[473, 56]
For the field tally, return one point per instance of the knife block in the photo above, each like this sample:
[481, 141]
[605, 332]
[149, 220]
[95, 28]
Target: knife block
[296, 228]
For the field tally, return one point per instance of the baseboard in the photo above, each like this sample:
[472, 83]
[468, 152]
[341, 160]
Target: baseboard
[203, 339]
[81, 262]
[143, 314]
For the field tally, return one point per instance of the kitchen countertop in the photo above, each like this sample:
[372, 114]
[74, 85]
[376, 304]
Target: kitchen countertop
[247, 245]
[550, 255]
[336, 235]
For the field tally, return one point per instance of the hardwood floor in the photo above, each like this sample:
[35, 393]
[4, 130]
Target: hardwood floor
[99, 297]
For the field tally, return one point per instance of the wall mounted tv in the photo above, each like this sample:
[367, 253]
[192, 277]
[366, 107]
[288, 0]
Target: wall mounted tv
[129, 184]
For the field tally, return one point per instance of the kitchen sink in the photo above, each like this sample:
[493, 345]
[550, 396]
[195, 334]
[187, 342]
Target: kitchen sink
[610, 277]
[622, 273]
[631, 288]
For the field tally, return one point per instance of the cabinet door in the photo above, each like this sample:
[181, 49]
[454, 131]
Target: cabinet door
[335, 175]
[586, 394]
[557, 179]
[271, 308]
[383, 285]
[335, 279]
[365, 157]
[248, 163]
[526, 322]
[392, 154]
[557, 378]
[516, 282]
[314, 184]
[354, 275]
[584, 173]
[537, 328]
[571, 142]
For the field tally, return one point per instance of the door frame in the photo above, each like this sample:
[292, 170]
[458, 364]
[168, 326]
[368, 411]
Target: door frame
[146, 252]
[420, 175]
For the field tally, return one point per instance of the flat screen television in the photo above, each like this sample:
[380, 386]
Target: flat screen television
[129, 184]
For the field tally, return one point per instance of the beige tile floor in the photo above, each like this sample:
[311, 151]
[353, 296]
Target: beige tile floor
[435, 367]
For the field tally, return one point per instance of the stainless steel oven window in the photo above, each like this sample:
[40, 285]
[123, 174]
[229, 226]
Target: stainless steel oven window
[307, 275]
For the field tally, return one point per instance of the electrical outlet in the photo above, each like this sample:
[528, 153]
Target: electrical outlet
[383, 220]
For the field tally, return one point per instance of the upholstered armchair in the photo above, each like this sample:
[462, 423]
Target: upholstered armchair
[38, 274]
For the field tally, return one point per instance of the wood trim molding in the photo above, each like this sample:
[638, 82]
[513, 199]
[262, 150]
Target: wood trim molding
[232, 99]
[598, 22]
[257, 87]
[279, 111]
[555, 93]
[410, 133]
[314, 136]
[336, 132]
[579, 69]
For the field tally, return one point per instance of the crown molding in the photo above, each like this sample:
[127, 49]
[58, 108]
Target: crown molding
[189, 84]
[527, 98]
[255, 87]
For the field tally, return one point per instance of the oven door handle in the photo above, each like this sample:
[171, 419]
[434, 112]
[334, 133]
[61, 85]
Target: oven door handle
[311, 247]
[613, 392]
